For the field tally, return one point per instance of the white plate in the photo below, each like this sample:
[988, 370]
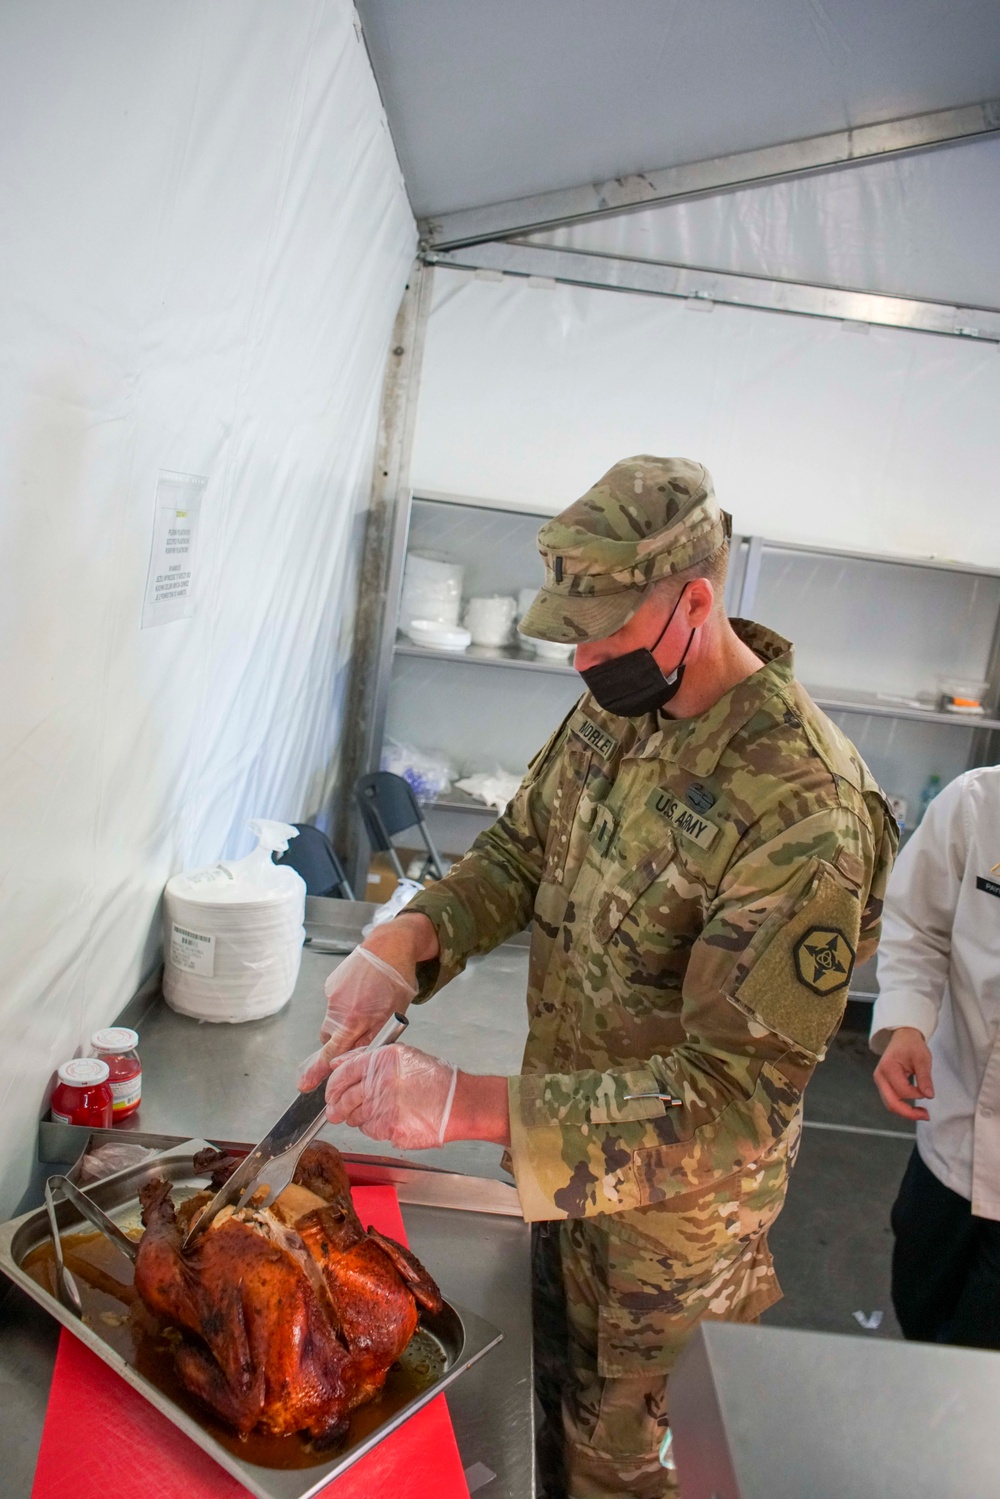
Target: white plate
[437, 636]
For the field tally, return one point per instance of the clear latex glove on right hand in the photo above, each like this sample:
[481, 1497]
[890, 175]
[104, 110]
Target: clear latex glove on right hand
[361, 994]
[397, 1094]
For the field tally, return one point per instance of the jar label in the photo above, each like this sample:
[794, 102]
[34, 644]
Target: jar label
[60, 1118]
[192, 951]
[126, 1092]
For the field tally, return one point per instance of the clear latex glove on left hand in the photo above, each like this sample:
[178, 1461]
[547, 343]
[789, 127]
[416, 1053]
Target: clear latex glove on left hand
[397, 1094]
[361, 994]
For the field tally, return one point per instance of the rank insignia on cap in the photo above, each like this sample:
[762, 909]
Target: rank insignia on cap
[824, 959]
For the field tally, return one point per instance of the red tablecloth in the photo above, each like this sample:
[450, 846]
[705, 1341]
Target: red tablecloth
[101, 1438]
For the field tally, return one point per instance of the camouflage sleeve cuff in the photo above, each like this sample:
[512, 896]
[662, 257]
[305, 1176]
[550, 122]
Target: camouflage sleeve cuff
[551, 1118]
[584, 1143]
[457, 938]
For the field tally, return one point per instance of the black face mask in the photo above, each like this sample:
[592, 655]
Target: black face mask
[633, 684]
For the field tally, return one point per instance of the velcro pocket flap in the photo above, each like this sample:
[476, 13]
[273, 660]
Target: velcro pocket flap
[576, 766]
[795, 975]
[614, 903]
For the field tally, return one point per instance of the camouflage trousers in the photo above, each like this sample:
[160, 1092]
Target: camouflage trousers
[611, 1316]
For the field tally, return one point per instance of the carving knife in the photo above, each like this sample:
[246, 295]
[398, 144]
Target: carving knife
[272, 1162]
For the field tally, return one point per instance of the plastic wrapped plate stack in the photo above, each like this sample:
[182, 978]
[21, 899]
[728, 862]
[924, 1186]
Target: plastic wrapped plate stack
[432, 591]
[232, 934]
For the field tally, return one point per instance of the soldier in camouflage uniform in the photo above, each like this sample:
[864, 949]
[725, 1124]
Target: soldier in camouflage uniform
[699, 890]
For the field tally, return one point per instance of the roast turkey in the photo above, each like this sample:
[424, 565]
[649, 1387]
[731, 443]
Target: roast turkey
[294, 1314]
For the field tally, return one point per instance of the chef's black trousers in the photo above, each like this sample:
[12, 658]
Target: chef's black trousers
[945, 1264]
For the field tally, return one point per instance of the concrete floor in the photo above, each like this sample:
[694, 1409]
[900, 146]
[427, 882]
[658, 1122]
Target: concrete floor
[832, 1243]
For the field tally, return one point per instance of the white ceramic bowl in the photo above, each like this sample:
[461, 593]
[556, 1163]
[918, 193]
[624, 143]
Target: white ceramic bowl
[550, 650]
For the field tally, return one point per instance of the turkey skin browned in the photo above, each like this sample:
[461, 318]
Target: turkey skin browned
[296, 1313]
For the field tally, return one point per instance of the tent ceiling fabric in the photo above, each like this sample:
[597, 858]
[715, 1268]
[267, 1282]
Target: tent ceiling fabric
[490, 102]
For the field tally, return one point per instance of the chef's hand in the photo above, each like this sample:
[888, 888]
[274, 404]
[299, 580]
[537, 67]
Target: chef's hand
[907, 1056]
[415, 1101]
[374, 980]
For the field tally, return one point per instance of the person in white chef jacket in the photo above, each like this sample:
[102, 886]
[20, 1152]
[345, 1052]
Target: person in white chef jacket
[935, 1025]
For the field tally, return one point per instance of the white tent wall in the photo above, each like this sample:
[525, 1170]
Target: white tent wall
[839, 435]
[205, 238]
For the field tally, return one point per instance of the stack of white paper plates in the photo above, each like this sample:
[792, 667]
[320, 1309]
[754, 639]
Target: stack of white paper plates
[231, 959]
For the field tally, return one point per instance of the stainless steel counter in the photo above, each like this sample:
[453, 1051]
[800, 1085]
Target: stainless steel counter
[775, 1413]
[229, 1082]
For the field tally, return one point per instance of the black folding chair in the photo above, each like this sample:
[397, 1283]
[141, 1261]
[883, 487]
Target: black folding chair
[312, 855]
[388, 807]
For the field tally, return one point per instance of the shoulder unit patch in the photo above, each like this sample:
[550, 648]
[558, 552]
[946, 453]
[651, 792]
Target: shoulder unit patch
[824, 959]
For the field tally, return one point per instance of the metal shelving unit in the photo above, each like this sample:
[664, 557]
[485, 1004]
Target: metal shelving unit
[830, 700]
[893, 624]
[485, 655]
[872, 706]
[460, 801]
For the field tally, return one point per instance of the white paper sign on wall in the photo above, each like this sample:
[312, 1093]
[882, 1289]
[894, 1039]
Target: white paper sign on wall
[170, 581]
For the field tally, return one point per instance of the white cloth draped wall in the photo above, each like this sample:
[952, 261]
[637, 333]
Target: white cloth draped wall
[205, 238]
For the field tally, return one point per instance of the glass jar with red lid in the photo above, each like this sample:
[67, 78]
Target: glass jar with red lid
[83, 1094]
[117, 1047]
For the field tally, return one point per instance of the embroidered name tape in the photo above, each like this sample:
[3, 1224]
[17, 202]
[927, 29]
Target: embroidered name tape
[992, 887]
[693, 825]
[605, 744]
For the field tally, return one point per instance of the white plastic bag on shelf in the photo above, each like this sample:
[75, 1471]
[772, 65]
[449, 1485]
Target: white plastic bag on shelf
[495, 788]
[233, 932]
[428, 774]
[400, 897]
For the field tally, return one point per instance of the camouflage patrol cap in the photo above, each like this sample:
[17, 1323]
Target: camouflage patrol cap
[645, 520]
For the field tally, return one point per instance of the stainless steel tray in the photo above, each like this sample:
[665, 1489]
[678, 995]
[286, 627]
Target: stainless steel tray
[461, 1335]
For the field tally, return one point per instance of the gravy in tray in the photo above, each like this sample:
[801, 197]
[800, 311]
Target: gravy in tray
[112, 1309]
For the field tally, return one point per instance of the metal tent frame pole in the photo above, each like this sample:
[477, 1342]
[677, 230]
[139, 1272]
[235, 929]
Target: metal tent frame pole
[817, 153]
[381, 570]
[702, 289]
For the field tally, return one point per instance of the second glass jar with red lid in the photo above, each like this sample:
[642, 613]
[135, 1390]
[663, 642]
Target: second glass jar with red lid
[117, 1047]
